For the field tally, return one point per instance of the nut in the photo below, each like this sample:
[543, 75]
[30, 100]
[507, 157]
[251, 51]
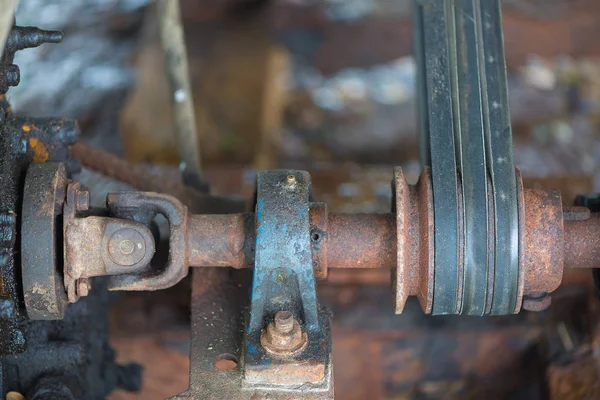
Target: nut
[82, 200]
[284, 337]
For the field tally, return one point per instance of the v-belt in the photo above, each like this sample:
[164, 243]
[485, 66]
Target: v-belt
[467, 141]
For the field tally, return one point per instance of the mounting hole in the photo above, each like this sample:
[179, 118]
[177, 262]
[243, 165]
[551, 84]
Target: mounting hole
[315, 236]
[226, 362]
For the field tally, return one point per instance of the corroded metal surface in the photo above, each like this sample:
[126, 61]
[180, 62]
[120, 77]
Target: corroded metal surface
[582, 239]
[128, 205]
[361, 241]
[100, 246]
[319, 238]
[221, 240]
[43, 289]
[284, 281]
[403, 240]
[284, 338]
[415, 238]
[543, 250]
[19, 38]
[218, 295]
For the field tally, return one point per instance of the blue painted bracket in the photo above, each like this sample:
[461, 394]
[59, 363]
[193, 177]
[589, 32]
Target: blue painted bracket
[283, 271]
[284, 276]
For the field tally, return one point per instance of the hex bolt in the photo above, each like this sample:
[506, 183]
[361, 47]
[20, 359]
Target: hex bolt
[284, 337]
[82, 200]
[126, 247]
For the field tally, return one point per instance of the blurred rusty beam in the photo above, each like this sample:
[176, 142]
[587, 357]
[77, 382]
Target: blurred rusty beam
[380, 37]
[163, 180]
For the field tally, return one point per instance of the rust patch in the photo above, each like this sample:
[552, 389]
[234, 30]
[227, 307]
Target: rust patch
[426, 242]
[582, 239]
[40, 152]
[543, 242]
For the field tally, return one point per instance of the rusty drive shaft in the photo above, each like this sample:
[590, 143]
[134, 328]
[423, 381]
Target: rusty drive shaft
[550, 239]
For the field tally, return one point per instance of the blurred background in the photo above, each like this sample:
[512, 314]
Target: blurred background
[329, 86]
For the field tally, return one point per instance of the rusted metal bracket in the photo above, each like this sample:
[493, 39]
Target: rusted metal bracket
[287, 340]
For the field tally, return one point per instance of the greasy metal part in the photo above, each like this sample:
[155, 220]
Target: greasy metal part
[19, 38]
[72, 353]
[70, 358]
[543, 252]
[176, 62]
[44, 195]
[23, 140]
[437, 109]
[283, 337]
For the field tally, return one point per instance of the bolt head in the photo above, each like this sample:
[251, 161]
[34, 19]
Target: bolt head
[126, 247]
[83, 287]
[82, 200]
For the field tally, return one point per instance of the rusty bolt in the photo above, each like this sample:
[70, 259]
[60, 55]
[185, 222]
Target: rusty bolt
[126, 247]
[284, 337]
[83, 287]
[82, 200]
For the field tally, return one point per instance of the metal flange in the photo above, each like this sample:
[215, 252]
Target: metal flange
[43, 199]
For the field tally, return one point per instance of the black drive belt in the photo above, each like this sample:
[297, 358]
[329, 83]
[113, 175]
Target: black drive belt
[467, 141]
